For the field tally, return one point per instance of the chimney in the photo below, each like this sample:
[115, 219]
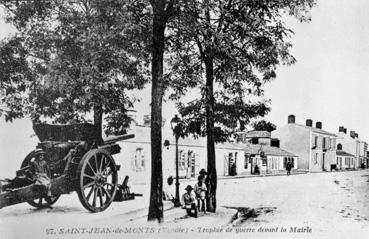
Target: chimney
[341, 129]
[318, 125]
[345, 130]
[291, 119]
[352, 134]
[309, 122]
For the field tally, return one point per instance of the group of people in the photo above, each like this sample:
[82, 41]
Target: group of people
[194, 199]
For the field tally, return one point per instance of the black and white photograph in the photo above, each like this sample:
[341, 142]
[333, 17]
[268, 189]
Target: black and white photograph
[184, 119]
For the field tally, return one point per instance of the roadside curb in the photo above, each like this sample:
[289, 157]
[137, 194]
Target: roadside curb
[232, 177]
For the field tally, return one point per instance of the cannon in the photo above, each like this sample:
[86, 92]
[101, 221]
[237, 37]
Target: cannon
[79, 160]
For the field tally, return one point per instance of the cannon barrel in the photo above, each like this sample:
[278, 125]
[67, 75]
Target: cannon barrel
[114, 139]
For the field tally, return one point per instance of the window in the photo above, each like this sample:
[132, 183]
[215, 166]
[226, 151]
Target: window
[230, 158]
[138, 163]
[181, 160]
[246, 165]
[293, 162]
[190, 159]
[255, 140]
[315, 143]
[264, 161]
[324, 142]
[328, 143]
[339, 146]
[284, 162]
[316, 158]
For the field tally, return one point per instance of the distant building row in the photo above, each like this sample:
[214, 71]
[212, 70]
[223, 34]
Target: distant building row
[319, 150]
[308, 148]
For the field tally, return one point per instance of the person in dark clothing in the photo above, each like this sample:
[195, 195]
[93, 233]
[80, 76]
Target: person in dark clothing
[203, 173]
[288, 167]
[41, 175]
[256, 170]
[233, 171]
[189, 201]
[168, 193]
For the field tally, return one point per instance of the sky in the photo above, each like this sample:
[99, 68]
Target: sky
[328, 83]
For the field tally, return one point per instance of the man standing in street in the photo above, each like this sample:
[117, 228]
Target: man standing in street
[288, 167]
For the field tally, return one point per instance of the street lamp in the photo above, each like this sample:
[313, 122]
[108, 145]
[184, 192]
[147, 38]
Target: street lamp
[175, 125]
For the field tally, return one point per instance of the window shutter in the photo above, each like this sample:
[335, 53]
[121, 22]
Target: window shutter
[143, 159]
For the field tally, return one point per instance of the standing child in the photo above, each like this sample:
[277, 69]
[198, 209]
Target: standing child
[200, 191]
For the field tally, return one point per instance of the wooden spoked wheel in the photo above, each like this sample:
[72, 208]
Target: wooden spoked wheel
[97, 180]
[40, 202]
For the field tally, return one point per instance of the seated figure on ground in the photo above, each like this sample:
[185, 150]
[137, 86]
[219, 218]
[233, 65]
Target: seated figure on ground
[189, 201]
[41, 174]
[168, 194]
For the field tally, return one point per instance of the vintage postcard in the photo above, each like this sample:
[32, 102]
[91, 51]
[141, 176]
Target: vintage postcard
[184, 119]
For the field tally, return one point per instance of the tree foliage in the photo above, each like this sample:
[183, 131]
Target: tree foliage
[235, 46]
[80, 57]
[264, 126]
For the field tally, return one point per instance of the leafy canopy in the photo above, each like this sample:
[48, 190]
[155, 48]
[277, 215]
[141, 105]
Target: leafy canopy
[235, 45]
[263, 125]
[71, 57]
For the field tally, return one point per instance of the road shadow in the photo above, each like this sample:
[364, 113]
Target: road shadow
[245, 214]
[34, 211]
[366, 176]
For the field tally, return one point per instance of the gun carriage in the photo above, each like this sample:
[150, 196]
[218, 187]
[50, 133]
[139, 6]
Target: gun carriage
[78, 160]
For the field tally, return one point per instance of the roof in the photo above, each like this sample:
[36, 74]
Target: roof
[142, 135]
[268, 150]
[256, 134]
[316, 130]
[343, 153]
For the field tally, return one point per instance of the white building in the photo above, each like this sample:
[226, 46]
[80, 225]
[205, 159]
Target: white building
[239, 158]
[352, 144]
[315, 147]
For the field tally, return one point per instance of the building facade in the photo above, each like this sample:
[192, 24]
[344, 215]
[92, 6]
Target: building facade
[315, 147]
[352, 144]
[231, 158]
[344, 160]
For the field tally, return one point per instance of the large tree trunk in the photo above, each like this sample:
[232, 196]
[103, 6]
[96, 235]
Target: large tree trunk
[156, 193]
[98, 119]
[211, 202]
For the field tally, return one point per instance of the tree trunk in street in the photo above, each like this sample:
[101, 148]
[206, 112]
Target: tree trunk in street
[211, 202]
[98, 118]
[156, 193]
